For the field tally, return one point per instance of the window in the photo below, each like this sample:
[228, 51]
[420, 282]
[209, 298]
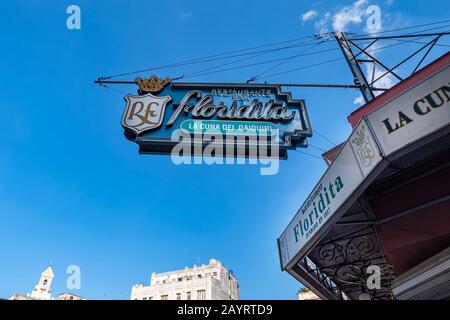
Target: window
[45, 282]
[165, 297]
[188, 295]
[178, 296]
[180, 279]
[201, 295]
[150, 298]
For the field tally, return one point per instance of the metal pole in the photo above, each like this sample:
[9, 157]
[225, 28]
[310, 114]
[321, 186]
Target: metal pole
[304, 85]
[358, 75]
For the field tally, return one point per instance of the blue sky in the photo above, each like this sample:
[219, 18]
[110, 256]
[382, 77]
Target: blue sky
[73, 190]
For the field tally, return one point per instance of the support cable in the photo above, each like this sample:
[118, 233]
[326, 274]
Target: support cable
[401, 62]
[254, 78]
[230, 54]
[259, 63]
[406, 35]
[205, 71]
[327, 61]
[325, 138]
[220, 56]
[309, 154]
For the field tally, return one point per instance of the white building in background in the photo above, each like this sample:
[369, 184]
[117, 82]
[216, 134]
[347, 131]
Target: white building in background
[205, 282]
[307, 294]
[69, 296]
[43, 290]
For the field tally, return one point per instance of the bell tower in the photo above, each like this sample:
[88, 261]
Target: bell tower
[42, 291]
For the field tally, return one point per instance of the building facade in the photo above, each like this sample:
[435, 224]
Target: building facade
[377, 224]
[206, 282]
[69, 296]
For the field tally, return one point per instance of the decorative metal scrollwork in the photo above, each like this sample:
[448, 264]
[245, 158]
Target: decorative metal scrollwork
[346, 262]
[353, 251]
[358, 247]
[332, 252]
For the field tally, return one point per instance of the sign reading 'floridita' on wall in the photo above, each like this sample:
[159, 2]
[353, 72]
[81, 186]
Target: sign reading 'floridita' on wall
[355, 161]
[408, 118]
[164, 110]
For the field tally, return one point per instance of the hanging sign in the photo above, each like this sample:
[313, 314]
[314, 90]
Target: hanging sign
[164, 111]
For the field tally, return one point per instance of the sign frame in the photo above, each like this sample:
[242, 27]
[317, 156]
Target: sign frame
[288, 140]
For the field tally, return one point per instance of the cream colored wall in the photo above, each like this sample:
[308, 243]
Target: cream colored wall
[215, 279]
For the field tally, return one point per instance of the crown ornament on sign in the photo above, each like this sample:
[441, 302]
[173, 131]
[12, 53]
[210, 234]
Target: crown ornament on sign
[152, 84]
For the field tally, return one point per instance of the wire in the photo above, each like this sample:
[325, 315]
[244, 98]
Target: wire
[215, 57]
[328, 61]
[283, 62]
[113, 89]
[406, 28]
[303, 67]
[257, 54]
[325, 138]
[218, 66]
[316, 147]
[412, 41]
[324, 62]
[309, 154]
[262, 62]
[200, 73]
[230, 54]
[420, 42]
